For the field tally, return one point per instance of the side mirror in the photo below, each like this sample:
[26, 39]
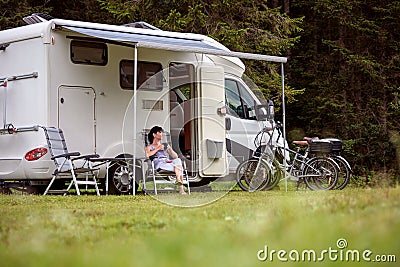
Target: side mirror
[271, 110]
[261, 112]
[265, 111]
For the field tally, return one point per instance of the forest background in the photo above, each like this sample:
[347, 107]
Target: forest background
[343, 70]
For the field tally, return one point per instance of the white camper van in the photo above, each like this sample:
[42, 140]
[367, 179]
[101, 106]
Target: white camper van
[104, 85]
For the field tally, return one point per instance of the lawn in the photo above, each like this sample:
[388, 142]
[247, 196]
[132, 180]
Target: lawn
[234, 230]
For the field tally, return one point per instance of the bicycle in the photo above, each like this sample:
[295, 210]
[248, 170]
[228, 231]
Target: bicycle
[272, 162]
[334, 153]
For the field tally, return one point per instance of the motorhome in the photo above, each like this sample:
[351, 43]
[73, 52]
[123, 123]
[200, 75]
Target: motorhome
[105, 85]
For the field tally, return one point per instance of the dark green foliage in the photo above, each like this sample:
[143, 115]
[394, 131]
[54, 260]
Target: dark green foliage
[348, 62]
[83, 10]
[12, 11]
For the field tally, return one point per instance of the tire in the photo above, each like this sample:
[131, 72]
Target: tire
[253, 175]
[344, 172]
[320, 173]
[276, 176]
[120, 179]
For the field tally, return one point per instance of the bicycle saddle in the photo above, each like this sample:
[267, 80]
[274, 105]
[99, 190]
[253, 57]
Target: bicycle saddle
[306, 140]
[300, 143]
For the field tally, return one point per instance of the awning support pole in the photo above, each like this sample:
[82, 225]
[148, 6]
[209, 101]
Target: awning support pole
[284, 122]
[134, 118]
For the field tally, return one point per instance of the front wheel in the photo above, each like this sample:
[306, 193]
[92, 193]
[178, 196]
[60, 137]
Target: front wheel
[320, 173]
[253, 175]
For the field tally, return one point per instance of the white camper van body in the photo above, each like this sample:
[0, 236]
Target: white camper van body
[60, 75]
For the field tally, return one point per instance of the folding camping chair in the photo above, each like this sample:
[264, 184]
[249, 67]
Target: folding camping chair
[162, 176]
[69, 164]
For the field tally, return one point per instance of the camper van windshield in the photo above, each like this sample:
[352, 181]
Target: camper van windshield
[254, 88]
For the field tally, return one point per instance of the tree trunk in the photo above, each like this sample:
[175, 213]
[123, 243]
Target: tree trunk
[286, 6]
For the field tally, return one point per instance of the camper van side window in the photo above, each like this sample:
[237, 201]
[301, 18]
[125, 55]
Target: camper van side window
[248, 102]
[181, 76]
[149, 76]
[238, 100]
[232, 99]
[90, 53]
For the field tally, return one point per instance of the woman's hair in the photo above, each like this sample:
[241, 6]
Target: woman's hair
[153, 130]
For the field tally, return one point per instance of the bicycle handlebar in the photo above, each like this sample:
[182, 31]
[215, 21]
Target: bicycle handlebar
[270, 131]
[278, 125]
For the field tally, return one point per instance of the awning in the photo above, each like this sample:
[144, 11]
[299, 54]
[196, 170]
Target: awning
[169, 43]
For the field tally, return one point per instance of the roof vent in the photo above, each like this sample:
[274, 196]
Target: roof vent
[142, 25]
[37, 18]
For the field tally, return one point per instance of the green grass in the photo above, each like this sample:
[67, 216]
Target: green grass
[141, 231]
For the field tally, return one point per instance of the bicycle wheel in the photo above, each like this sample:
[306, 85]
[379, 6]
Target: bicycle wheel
[344, 172]
[320, 173]
[276, 176]
[253, 175]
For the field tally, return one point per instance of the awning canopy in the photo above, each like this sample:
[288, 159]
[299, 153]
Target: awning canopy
[169, 43]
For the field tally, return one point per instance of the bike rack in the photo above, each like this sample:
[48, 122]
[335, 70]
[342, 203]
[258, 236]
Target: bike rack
[8, 128]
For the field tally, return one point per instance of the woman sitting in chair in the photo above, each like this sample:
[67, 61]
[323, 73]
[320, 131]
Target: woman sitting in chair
[160, 153]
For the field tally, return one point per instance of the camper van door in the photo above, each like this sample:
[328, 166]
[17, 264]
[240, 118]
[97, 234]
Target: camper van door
[211, 123]
[77, 117]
